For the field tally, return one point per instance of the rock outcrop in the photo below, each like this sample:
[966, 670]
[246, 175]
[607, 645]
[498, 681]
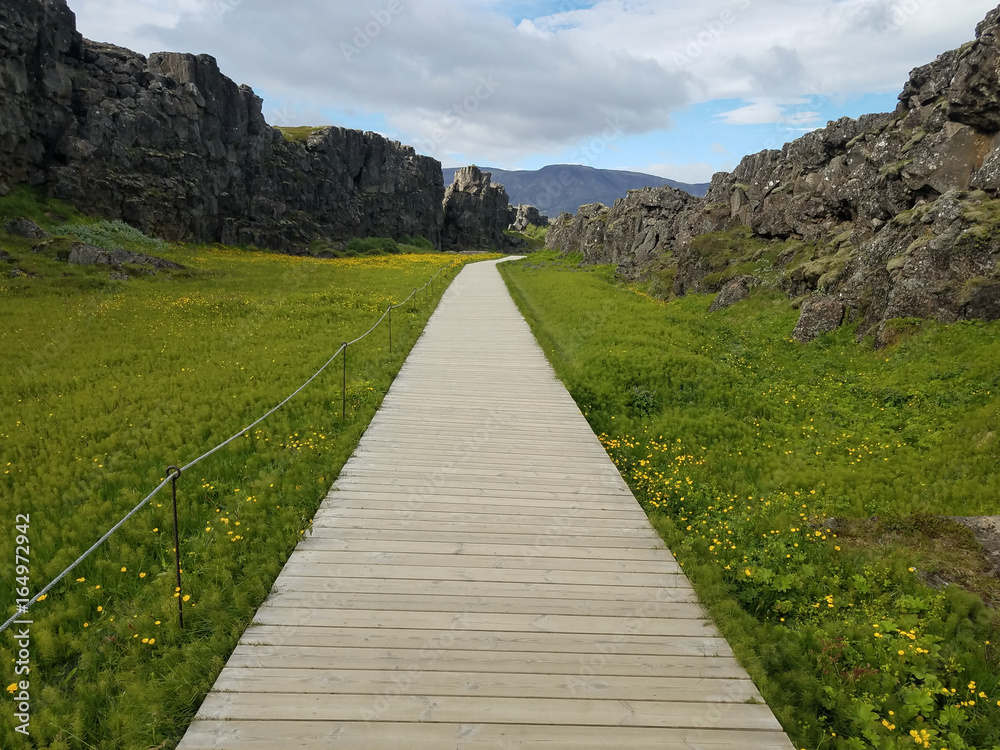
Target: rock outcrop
[21, 227]
[892, 215]
[172, 146]
[82, 254]
[476, 212]
[521, 217]
[738, 290]
[819, 315]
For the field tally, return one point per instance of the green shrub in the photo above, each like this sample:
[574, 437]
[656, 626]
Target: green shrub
[300, 134]
[418, 241]
[372, 246]
[32, 203]
[113, 235]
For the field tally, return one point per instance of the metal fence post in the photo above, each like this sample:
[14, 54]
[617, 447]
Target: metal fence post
[343, 388]
[174, 473]
[390, 329]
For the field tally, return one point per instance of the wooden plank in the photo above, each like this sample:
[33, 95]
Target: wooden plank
[486, 575]
[295, 735]
[532, 542]
[472, 446]
[517, 475]
[486, 684]
[633, 594]
[601, 516]
[434, 657]
[557, 604]
[448, 621]
[492, 646]
[378, 544]
[430, 484]
[607, 509]
[521, 531]
[584, 473]
[581, 712]
[416, 559]
[470, 513]
[569, 493]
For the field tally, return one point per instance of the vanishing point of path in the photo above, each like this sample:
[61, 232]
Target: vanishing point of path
[481, 577]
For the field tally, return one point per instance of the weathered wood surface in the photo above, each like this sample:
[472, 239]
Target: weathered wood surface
[480, 577]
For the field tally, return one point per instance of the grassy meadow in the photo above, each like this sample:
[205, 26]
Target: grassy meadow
[106, 384]
[803, 489]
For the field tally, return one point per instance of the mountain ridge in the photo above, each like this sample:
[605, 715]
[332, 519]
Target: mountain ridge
[563, 188]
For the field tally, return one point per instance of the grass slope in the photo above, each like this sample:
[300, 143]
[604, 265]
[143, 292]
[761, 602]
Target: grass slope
[800, 486]
[108, 383]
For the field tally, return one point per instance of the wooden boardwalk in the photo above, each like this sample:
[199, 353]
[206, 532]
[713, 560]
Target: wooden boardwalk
[481, 577]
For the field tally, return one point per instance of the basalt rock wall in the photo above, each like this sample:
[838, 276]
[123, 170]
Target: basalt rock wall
[476, 212]
[171, 145]
[893, 215]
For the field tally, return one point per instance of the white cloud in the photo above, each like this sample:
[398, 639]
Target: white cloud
[760, 113]
[692, 173]
[767, 112]
[558, 78]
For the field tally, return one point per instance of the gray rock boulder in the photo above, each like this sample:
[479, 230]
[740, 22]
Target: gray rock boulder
[735, 291]
[819, 315]
[5, 257]
[21, 227]
[527, 216]
[82, 254]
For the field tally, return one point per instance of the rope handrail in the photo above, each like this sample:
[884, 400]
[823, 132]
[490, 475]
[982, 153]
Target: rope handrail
[23, 608]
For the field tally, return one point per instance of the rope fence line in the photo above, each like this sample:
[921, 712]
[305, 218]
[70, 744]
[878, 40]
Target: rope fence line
[174, 472]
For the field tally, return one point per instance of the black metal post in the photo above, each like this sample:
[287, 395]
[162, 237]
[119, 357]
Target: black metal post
[343, 390]
[174, 473]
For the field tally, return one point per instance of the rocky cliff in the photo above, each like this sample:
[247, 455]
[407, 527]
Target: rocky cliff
[521, 217]
[890, 216]
[171, 145]
[476, 212]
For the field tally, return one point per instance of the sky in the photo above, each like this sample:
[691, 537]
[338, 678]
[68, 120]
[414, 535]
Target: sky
[675, 88]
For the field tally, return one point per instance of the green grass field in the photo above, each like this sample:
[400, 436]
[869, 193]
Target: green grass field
[110, 382]
[802, 488]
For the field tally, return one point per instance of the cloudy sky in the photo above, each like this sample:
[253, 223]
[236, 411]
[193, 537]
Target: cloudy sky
[672, 87]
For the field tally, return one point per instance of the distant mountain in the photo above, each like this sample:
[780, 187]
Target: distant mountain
[566, 187]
